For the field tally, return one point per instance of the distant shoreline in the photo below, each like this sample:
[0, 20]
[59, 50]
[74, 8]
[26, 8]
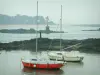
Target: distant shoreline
[23, 19]
[92, 30]
[88, 25]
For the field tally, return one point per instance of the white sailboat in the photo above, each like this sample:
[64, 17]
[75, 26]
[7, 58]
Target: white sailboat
[63, 55]
[71, 56]
[38, 62]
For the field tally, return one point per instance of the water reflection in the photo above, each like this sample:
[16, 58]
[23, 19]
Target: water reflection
[75, 64]
[30, 71]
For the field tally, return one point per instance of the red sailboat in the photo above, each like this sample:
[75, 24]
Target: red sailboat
[41, 63]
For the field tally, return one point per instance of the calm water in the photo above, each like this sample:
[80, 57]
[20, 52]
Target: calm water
[74, 32]
[10, 64]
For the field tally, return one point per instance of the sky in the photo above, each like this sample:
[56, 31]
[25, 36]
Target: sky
[74, 11]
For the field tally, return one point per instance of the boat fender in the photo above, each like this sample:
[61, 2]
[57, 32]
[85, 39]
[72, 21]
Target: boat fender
[34, 65]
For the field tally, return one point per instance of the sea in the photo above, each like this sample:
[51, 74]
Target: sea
[71, 32]
[10, 61]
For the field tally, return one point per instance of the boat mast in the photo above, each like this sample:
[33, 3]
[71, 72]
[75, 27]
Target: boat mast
[37, 30]
[61, 29]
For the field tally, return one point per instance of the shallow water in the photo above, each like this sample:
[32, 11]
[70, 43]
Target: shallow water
[10, 64]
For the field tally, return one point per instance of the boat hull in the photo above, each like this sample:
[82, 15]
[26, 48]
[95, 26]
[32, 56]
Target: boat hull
[68, 59]
[42, 66]
[73, 59]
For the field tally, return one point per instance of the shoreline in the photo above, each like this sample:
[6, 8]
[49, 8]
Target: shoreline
[86, 45]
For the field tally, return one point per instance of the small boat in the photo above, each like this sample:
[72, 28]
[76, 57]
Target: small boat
[72, 56]
[40, 63]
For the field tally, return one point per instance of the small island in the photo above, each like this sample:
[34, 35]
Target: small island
[29, 31]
